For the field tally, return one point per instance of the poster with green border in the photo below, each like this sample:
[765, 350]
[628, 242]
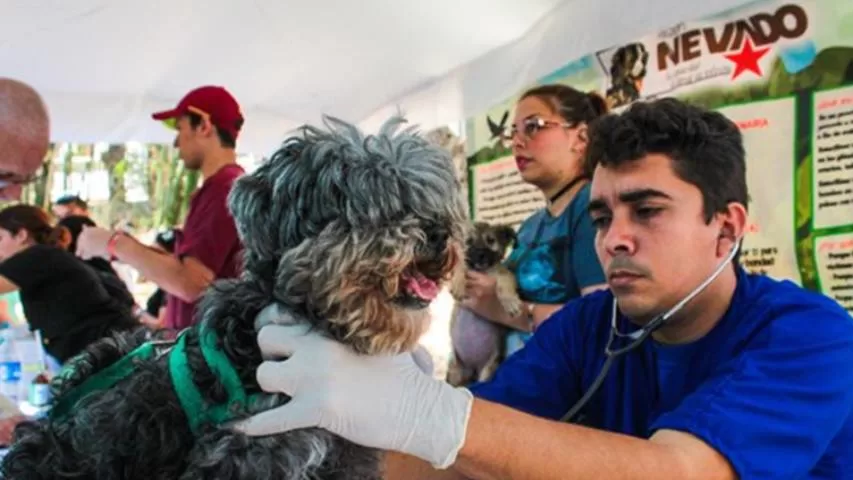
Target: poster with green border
[783, 71]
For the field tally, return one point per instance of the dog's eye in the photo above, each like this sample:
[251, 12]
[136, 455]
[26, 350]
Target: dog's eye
[532, 127]
[436, 242]
[490, 240]
[437, 235]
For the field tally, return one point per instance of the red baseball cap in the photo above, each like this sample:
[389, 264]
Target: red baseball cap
[212, 102]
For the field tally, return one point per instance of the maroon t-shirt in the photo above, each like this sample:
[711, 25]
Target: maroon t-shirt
[210, 236]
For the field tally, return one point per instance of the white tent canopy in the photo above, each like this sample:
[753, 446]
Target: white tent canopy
[104, 65]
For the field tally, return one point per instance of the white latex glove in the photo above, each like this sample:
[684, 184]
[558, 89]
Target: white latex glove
[384, 402]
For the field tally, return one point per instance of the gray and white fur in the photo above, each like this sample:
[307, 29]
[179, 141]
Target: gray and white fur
[335, 225]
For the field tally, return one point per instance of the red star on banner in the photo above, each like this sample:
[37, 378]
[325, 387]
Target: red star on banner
[747, 58]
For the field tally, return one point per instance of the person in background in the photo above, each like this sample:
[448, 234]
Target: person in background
[554, 259]
[61, 296]
[749, 378]
[155, 307]
[116, 286]
[75, 224]
[127, 273]
[24, 136]
[208, 121]
[73, 214]
[70, 205]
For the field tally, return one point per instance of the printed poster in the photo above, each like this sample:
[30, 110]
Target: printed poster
[768, 128]
[783, 71]
[834, 259]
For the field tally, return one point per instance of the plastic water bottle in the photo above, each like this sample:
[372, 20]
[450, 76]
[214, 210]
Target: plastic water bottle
[10, 366]
[40, 391]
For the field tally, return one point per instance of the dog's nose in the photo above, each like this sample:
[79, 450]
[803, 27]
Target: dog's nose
[437, 238]
[435, 246]
[477, 259]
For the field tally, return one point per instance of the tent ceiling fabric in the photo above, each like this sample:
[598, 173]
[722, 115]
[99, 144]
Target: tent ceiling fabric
[104, 66]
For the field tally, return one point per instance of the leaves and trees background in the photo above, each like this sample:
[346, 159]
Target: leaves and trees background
[143, 186]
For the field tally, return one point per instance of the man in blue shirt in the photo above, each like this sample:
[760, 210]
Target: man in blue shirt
[752, 378]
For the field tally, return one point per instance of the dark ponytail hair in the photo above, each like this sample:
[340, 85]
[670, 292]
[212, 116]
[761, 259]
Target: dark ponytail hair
[574, 106]
[37, 224]
[75, 224]
[599, 104]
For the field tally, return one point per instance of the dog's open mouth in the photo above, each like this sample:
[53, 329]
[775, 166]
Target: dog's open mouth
[416, 290]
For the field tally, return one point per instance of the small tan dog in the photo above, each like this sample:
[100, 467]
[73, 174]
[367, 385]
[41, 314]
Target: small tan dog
[478, 344]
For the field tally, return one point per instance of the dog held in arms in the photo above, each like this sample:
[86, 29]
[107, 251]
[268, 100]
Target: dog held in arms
[355, 234]
[478, 344]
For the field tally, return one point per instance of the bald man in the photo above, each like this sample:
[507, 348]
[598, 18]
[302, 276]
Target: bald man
[24, 136]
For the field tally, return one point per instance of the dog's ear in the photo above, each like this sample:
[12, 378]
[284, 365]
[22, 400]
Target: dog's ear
[249, 201]
[506, 235]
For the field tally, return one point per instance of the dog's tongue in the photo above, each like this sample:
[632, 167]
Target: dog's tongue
[419, 286]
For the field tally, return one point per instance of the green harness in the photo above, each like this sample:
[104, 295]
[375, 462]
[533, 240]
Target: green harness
[197, 410]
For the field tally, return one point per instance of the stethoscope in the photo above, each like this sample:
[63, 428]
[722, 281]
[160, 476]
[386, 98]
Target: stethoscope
[639, 336]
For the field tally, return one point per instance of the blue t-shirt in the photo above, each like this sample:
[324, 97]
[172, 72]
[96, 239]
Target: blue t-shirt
[770, 387]
[554, 258]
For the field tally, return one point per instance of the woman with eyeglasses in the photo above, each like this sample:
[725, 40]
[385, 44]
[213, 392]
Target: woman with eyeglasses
[554, 258]
[62, 296]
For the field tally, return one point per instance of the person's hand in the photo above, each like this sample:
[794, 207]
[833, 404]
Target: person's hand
[479, 286]
[384, 401]
[92, 242]
[480, 292]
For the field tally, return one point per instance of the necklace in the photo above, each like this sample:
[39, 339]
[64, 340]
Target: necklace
[553, 198]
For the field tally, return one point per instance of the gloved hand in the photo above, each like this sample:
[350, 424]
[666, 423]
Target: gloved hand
[382, 402]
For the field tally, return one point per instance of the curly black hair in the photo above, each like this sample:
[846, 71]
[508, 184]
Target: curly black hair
[706, 147]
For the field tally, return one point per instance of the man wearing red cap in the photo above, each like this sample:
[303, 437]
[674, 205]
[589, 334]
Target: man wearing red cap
[208, 121]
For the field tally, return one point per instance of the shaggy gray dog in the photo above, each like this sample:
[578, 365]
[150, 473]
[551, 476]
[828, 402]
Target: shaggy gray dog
[354, 234]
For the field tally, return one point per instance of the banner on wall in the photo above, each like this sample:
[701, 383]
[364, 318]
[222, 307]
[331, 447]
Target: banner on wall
[783, 72]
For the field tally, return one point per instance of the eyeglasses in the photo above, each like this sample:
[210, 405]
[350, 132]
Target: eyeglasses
[7, 179]
[530, 127]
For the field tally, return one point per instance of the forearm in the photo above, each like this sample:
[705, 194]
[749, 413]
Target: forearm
[493, 311]
[502, 443]
[160, 268]
[398, 466]
[543, 311]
